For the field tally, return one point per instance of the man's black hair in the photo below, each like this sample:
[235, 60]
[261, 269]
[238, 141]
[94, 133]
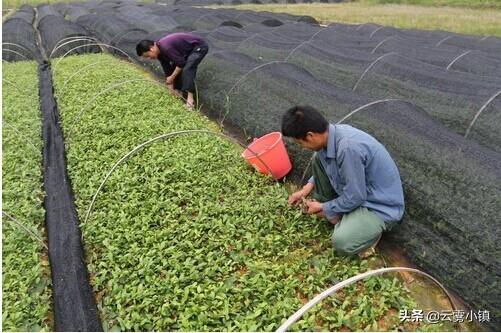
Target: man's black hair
[299, 120]
[144, 46]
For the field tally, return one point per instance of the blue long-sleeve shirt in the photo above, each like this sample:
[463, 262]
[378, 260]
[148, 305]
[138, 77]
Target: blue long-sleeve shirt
[362, 173]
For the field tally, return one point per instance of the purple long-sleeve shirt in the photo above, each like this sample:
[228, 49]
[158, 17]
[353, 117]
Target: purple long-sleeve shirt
[178, 46]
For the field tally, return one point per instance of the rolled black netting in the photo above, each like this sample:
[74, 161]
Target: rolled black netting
[19, 41]
[60, 36]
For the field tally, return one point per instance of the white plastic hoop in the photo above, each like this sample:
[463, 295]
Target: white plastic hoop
[381, 43]
[81, 70]
[15, 52]
[113, 86]
[443, 40]
[480, 112]
[296, 316]
[253, 70]
[346, 117]
[74, 40]
[18, 45]
[74, 37]
[305, 42]
[366, 106]
[457, 58]
[25, 228]
[92, 44]
[372, 33]
[21, 135]
[360, 26]
[369, 67]
[158, 138]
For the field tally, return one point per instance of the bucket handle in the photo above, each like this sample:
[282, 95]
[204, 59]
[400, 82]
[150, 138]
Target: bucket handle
[260, 160]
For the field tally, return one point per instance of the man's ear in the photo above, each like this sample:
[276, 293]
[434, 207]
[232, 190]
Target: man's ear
[309, 136]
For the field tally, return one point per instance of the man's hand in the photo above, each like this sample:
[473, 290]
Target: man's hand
[314, 207]
[296, 197]
[169, 80]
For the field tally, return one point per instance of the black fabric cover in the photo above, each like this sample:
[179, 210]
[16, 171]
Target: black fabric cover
[55, 31]
[25, 12]
[19, 40]
[74, 307]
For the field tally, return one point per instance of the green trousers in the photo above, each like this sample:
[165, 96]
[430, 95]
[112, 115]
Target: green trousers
[358, 229]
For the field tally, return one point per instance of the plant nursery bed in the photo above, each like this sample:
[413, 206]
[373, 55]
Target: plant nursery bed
[26, 280]
[184, 235]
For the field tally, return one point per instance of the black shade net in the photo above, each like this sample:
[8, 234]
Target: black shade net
[25, 12]
[433, 98]
[47, 10]
[61, 37]
[72, 12]
[19, 39]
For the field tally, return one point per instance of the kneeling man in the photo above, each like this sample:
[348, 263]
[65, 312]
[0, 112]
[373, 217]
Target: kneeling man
[355, 184]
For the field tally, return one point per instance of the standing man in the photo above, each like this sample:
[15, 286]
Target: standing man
[179, 54]
[356, 185]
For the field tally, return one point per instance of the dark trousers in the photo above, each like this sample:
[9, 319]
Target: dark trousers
[190, 68]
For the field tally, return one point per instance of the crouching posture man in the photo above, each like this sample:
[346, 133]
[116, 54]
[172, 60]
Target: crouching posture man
[179, 54]
[356, 184]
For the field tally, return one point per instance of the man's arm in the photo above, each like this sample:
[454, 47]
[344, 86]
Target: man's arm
[171, 78]
[167, 67]
[352, 172]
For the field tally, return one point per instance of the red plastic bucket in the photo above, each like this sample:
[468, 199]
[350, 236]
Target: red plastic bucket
[271, 155]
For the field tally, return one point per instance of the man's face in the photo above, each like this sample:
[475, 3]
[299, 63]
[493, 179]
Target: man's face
[312, 141]
[152, 53]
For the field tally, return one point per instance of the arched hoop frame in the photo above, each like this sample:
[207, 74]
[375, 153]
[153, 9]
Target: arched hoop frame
[91, 44]
[296, 316]
[344, 119]
[162, 138]
[71, 41]
[13, 221]
[480, 112]
[109, 88]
